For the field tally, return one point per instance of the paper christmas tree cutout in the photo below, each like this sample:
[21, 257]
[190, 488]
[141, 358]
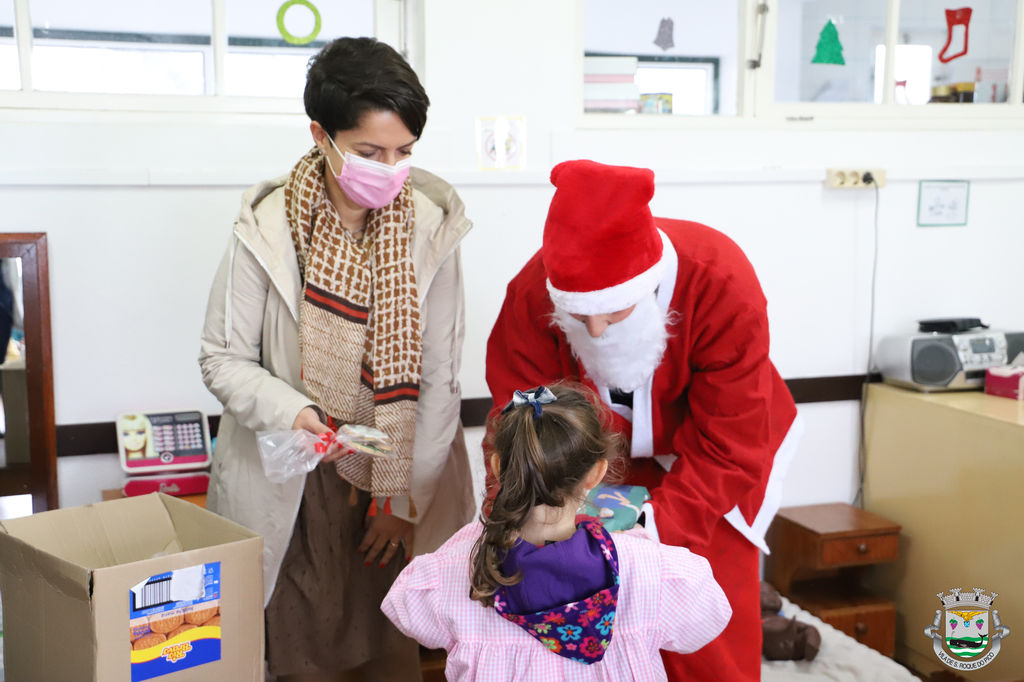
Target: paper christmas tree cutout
[829, 50]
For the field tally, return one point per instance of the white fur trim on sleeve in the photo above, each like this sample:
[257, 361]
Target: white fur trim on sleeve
[649, 525]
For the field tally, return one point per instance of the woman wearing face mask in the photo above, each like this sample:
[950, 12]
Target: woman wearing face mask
[339, 301]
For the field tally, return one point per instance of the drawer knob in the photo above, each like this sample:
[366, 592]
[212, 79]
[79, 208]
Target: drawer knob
[862, 548]
[860, 628]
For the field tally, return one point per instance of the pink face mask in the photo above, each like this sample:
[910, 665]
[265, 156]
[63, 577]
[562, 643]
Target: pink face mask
[370, 184]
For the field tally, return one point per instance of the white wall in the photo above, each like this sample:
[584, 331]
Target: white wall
[139, 207]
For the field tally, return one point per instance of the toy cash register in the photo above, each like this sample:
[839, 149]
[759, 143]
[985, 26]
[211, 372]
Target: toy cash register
[163, 441]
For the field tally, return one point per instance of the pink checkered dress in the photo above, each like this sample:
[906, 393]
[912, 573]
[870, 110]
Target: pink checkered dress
[667, 599]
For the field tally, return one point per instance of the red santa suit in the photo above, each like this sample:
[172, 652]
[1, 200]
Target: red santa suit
[711, 431]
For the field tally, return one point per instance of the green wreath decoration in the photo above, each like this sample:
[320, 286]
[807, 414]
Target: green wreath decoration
[293, 39]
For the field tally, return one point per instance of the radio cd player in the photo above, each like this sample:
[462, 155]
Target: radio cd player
[946, 362]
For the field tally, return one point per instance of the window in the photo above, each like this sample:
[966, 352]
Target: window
[964, 54]
[651, 85]
[676, 57]
[270, 42]
[155, 54]
[689, 84]
[801, 60]
[826, 50]
[140, 47]
[10, 77]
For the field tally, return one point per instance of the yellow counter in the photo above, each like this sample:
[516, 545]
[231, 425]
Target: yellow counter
[949, 468]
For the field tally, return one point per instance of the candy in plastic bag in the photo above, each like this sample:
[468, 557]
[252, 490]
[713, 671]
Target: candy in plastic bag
[365, 440]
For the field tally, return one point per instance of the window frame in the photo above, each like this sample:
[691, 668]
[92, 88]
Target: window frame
[392, 24]
[757, 108]
[709, 64]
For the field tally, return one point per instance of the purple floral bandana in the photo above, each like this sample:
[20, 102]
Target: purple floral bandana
[580, 630]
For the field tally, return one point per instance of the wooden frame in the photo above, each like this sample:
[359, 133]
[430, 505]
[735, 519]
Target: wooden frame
[39, 477]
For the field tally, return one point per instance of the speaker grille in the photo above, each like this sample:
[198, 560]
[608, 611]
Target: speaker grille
[934, 362]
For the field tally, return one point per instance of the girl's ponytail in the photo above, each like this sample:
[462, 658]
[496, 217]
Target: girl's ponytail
[544, 453]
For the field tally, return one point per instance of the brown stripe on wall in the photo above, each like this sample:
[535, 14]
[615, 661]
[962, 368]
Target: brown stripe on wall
[808, 390]
[828, 389]
[100, 437]
[474, 411]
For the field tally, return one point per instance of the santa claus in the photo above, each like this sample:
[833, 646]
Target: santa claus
[666, 320]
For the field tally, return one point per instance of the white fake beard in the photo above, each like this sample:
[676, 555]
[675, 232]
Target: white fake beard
[628, 351]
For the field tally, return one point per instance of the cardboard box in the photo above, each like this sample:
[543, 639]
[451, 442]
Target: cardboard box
[1007, 381]
[139, 588]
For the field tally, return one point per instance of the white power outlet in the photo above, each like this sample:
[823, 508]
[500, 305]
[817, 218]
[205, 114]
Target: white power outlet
[853, 178]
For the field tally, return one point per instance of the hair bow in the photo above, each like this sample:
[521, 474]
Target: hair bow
[536, 397]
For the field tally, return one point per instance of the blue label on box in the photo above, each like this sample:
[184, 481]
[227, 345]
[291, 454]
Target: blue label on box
[174, 619]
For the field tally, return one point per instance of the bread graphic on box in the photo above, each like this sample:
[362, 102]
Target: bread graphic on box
[164, 623]
[180, 629]
[200, 616]
[146, 641]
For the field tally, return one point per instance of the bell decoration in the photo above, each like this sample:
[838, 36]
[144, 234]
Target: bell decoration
[664, 37]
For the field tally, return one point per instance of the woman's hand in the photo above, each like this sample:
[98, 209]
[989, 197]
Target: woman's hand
[384, 535]
[309, 420]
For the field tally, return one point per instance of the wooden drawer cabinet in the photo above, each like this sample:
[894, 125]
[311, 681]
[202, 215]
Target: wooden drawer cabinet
[816, 553]
[860, 550]
[868, 618]
[874, 627]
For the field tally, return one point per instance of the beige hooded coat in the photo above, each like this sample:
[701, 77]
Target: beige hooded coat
[250, 361]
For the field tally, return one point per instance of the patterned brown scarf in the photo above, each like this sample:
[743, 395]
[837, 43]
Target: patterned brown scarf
[359, 321]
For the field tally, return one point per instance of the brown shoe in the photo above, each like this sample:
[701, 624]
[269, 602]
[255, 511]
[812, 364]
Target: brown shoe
[787, 639]
[771, 602]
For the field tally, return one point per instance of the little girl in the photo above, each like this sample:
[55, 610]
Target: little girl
[527, 594]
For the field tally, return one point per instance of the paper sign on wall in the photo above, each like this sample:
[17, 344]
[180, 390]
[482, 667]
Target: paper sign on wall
[942, 202]
[501, 142]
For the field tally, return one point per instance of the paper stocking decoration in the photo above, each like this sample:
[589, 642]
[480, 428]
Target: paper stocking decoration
[954, 18]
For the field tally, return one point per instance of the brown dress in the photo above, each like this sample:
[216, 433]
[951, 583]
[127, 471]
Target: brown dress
[324, 615]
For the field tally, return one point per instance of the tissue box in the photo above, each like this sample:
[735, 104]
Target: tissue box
[1006, 382]
[131, 589]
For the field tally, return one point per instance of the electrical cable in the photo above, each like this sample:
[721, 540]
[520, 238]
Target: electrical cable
[858, 500]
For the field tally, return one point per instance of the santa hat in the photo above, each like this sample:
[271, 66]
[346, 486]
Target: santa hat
[601, 251]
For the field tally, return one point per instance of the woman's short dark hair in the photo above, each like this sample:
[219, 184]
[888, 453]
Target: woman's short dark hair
[351, 76]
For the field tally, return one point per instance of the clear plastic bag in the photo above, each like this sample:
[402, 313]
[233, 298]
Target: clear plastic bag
[286, 454]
